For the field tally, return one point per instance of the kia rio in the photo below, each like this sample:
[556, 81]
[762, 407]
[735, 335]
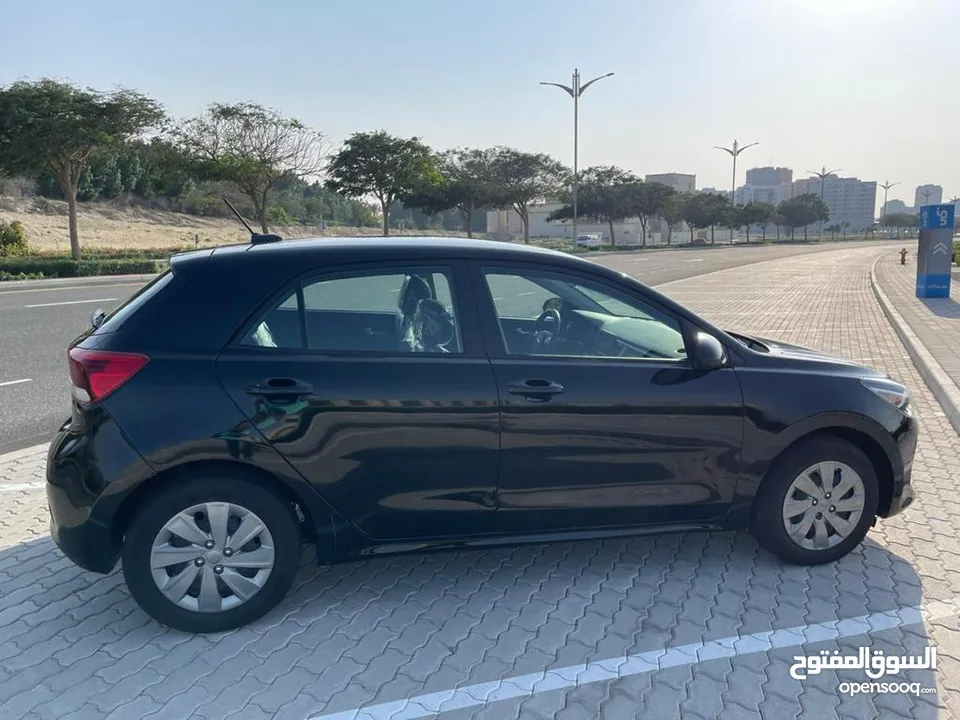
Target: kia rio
[382, 396]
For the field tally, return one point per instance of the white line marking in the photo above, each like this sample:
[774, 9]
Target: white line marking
[694, 260]
[525, 294]
[70, 302]
[15, 382]
[432, 704]
[16, 487]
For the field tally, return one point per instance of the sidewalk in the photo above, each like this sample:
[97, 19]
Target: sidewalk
[929, 328]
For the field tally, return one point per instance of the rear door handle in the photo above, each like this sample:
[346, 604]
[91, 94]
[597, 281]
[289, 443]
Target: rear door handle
[535, 389]
[279, 387]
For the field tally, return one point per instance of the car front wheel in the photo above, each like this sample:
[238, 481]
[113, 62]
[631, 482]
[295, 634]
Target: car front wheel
[211, 553]
[817, 503]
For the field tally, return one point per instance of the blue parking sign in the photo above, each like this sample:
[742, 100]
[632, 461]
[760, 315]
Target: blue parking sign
[934, 217]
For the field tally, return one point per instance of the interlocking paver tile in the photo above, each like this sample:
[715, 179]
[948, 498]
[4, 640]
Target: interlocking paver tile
[73, 643]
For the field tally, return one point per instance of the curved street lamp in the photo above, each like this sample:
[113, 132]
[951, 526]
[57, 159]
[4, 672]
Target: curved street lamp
[886, 185]
[575, 90]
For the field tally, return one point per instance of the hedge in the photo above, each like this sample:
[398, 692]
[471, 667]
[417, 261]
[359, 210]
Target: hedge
[35, 266]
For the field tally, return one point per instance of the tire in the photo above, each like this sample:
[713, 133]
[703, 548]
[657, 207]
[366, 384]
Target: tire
[769, 524]
[244, 568]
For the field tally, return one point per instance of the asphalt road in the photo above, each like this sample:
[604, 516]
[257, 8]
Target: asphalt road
[39, 319]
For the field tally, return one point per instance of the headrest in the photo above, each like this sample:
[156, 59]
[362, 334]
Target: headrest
[413, 290]
[432, 325]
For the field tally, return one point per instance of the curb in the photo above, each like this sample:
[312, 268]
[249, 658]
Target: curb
[941, 385]
[86, 280]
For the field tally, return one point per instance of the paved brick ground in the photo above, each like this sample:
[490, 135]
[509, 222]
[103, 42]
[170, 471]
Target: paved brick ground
[936, 321]
[696, 625]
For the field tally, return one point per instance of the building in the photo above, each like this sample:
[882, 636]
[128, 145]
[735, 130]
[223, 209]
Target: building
[767, 185]
[769, 176]
[678, 181]
[927, 195]
[850, 200]
[895, 206]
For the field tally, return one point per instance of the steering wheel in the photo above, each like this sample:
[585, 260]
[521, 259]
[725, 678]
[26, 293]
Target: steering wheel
[541, 330]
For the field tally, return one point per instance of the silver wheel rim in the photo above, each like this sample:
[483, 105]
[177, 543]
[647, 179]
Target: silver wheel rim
[823, 505]
[212, 557]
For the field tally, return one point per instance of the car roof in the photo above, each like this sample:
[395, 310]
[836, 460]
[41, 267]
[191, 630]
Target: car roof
[364, 247]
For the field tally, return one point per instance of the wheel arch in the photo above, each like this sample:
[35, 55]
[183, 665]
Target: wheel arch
[317, 523]
[863, 441]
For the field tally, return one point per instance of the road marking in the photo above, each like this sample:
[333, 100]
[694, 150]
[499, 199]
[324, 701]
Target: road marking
[525, 294]
[694, 260]
[69, 287]
[571, 676]
[15, 382]
[70, 302]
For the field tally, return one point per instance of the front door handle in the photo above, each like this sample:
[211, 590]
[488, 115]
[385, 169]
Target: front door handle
[536, 389]
[279, 387]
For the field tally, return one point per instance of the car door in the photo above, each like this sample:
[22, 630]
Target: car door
[388, 410]
[604, 419]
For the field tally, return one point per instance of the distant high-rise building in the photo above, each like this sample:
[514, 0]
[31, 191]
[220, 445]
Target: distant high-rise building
[849, 200]
[769, 176]
[767, 185]
[928, 195]
[678, 181]
[895, 206]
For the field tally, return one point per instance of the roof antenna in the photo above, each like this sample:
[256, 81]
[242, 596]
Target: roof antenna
[255, 237]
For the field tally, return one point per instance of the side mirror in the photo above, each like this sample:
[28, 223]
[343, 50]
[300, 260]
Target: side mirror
[709, 352]
[96, 317]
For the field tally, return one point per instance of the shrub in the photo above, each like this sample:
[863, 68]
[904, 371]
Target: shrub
[13, 241]
[54, 267]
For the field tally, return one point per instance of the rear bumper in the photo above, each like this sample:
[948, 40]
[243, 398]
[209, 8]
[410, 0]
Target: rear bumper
[89, 474]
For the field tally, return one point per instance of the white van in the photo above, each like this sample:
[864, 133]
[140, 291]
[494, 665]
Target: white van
[590, 240]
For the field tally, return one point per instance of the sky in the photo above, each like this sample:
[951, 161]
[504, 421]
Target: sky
[869, 87]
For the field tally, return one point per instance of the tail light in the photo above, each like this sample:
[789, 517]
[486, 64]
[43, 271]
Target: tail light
[97, 373]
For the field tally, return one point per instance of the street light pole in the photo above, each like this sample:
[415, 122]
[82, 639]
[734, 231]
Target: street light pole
[734, 152]
[823, 178]
[886, 185]
[575, 90]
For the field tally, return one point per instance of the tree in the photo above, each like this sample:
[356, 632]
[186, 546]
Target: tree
[756, 214]
[252, 147]
[49, 125]
[899, 221]
[703, 210]
[802, 211]
[605, 193]
[672, 212]
[521, 178]
[388, 167]
[646, 200]
[465, 182]
[833, 230]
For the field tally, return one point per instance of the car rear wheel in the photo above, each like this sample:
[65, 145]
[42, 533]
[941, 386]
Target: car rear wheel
[211, 554]
[817, 503]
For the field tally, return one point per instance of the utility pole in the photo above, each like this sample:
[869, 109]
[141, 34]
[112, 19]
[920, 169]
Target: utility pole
[575, 90]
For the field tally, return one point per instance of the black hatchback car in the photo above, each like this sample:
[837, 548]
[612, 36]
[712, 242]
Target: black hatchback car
[388, 395]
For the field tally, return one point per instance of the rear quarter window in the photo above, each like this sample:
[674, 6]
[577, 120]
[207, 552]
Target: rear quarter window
[123, 312]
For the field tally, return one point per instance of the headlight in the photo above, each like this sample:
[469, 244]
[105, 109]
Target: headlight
[893, 392]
